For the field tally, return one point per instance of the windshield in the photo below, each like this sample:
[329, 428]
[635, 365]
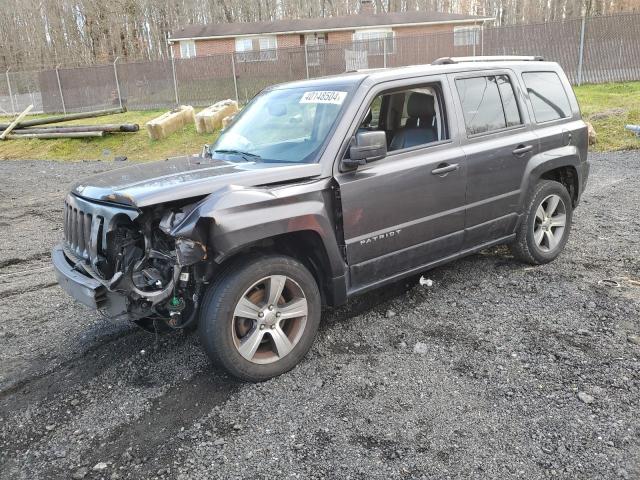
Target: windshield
[284, 125]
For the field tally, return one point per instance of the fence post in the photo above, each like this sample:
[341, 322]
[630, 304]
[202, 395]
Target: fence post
[13, 108]
[235, 80]
[175, 80]
[475, 39]
[306, 59]
[384, 52]
[64, 108]
[581, 50]
[115, 74]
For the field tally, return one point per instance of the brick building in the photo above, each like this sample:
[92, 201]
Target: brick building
[362, 38]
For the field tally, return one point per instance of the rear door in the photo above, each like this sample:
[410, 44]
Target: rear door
[406, 210]
[498, 143]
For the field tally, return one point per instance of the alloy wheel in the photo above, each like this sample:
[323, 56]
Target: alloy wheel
[269, 319]
[550, 223]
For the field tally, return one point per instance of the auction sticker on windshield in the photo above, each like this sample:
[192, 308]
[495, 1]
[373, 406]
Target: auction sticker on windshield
[324, 96]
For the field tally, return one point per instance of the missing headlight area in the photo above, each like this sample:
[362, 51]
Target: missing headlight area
[190, 251]
[158, 268]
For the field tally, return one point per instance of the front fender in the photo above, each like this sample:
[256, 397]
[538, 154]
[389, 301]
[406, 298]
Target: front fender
[235, 217]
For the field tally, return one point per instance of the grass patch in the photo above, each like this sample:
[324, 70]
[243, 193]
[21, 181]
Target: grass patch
[609, 107]
[135, 146]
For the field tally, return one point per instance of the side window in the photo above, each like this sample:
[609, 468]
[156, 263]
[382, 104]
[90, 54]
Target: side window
[488, 103]
[548, 96]
[410, 117]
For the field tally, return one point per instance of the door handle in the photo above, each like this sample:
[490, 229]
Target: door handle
[444, 168]
[522, 149]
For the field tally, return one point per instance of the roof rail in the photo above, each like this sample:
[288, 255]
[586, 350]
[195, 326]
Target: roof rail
[497, 58]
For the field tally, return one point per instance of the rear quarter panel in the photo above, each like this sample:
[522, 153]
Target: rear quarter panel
[563, 142]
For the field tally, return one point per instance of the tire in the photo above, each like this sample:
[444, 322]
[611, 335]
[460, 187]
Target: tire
[263, 342]
[542, 233]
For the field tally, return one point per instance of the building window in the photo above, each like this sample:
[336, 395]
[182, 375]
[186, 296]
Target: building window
[256, 49]
[315, 45]
[187, 48]
[375, 42]
[464, 36]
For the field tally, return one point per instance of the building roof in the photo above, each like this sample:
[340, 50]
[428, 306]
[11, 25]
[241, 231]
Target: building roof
[348, 22]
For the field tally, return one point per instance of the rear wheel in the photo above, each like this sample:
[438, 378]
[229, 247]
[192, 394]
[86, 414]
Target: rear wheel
[261, 317]
[544, 229]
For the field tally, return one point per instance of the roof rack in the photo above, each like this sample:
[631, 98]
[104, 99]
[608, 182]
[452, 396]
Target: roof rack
[497, 58]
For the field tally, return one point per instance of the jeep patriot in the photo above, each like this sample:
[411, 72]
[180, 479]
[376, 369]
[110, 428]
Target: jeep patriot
[322, 189]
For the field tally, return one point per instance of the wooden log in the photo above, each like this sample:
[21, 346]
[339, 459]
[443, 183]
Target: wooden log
[13, 124]
[210, 119]
[170, 122]
[56, 135]
[66, 118]
[127, 127]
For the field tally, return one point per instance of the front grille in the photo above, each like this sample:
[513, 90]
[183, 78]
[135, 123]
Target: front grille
[82, 231]
[87, 225]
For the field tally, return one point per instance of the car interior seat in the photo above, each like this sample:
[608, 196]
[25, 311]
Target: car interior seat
[419, 128]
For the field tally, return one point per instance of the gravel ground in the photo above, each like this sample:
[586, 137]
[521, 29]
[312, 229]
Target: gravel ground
[498, 370]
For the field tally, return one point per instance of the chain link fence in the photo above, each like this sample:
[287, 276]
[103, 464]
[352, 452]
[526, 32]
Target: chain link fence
[18, 90]
[591, 50]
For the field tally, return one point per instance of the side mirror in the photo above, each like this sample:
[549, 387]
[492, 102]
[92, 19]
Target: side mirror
[368, 146]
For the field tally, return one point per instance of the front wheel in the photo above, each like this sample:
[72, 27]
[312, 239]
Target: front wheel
[260, 318]
[545, 226]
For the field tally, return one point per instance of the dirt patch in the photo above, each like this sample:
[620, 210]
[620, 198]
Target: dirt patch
[612, 112]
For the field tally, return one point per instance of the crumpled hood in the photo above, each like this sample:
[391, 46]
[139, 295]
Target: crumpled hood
[173, 179]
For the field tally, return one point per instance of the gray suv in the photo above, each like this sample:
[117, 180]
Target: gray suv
[324, 189]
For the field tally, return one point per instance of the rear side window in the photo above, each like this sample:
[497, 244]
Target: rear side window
[548, 96]
[488, 103]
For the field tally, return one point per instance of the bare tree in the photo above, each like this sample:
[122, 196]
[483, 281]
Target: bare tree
[37, 33]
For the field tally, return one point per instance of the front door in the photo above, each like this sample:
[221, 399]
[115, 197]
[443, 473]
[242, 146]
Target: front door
[405, 211]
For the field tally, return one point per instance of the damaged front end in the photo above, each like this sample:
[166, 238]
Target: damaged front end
[127, 263]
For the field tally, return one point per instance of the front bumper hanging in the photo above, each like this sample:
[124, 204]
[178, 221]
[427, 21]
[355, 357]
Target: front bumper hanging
[85, 289]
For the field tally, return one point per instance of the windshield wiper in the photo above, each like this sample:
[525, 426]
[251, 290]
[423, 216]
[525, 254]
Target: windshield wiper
[249, 157]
